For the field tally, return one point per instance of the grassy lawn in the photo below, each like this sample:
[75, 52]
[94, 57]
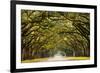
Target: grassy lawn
[47, 59]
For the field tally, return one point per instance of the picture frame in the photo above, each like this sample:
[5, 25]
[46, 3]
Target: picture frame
[17, 63]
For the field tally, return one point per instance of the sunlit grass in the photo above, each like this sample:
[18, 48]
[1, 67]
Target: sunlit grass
[35, 60]
[77, 58]
[47, 59]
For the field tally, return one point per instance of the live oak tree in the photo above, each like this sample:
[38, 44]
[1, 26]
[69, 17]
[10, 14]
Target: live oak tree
[44, 33]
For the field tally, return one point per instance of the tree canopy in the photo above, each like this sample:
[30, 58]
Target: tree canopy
[44, 33]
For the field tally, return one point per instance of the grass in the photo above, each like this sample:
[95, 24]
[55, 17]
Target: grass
[46, 59]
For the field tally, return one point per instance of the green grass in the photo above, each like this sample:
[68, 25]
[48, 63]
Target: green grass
[46, 59]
